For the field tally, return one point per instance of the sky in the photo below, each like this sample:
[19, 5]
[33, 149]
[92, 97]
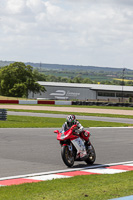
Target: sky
[73, 32]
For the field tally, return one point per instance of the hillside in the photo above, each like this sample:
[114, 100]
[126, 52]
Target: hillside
[45, 66]
[74, 67]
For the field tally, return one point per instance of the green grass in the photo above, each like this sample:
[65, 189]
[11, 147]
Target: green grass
[94, 187]
[11, 98]
[76, 113]
[42, 122]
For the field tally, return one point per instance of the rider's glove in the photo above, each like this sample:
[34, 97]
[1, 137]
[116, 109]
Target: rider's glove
[77, 131]
[74, 127]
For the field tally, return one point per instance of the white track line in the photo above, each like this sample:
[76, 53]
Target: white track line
[112, 127]
[66, 170]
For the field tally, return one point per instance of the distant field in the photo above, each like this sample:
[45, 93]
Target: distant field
[126, 80]
[83, 75]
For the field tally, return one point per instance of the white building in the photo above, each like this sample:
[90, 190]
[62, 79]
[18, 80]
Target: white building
[78, 91]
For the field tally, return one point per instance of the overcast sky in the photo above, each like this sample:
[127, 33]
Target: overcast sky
[79, 32]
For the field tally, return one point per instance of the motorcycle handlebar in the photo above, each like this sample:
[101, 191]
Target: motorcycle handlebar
[73, 127]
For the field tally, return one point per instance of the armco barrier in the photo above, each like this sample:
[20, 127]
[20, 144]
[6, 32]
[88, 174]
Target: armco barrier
[36, 102]
[10, 101]
[28, 102]
[63, 103]
[46, 102]
[3, 114]
[88, 103]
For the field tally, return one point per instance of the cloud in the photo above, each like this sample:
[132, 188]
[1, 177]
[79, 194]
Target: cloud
[15, 6]
[55, 31]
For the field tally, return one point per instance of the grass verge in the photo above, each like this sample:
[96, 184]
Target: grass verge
[94, 187]
[76, 113]
[42, 122]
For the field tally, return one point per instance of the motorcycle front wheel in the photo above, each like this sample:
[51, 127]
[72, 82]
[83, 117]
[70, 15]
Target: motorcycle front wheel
[91, 155]
[67, 156]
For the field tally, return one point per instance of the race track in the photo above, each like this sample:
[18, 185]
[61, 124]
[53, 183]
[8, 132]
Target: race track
[79, 117]
[31, 150]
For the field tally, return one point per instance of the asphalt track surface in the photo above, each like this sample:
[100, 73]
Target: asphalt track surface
[34, 150]
[106, 119]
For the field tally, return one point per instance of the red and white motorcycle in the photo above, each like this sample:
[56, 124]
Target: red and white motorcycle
[76, 147]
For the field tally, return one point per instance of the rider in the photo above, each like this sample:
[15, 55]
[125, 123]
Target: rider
[70, 121]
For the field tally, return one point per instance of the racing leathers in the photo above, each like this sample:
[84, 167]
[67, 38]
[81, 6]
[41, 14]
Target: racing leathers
[66, 127]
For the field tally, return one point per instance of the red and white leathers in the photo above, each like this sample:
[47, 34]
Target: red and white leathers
[66, 127]
[80, 130]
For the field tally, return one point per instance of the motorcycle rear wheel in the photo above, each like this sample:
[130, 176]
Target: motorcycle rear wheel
[67, 156]
[91, 155]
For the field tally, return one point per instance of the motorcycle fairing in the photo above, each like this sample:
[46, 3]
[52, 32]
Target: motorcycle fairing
[80, 146]
[66, 135]
[85, 135]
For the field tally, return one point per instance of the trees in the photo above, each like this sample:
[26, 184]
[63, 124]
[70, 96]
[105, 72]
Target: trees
[39, 76]
[17, 80]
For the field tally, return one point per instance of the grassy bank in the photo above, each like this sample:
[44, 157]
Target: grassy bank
[94, 187]
[12, 98]
[43, 122]
[76, 113]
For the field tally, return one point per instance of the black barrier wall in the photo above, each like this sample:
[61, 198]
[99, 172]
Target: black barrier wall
[87, 103]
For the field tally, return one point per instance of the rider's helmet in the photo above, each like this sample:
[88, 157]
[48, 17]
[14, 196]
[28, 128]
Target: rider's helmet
[71, 119]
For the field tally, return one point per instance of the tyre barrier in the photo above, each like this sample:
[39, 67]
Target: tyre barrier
[3, 114]
[87, 103]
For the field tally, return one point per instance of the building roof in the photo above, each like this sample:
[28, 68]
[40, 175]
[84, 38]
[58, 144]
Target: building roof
[89, 86]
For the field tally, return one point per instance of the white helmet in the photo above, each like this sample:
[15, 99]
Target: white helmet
[71, 119]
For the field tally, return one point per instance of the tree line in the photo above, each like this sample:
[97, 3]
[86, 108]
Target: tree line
[79, 79]
[18, 79]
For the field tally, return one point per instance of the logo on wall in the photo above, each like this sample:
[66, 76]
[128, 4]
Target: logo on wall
[62, 94]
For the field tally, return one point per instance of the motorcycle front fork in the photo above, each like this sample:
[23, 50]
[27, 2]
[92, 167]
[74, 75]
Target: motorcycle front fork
[88, 143]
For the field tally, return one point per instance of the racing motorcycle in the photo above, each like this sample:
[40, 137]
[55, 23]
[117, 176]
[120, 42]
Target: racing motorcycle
[76, 147]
